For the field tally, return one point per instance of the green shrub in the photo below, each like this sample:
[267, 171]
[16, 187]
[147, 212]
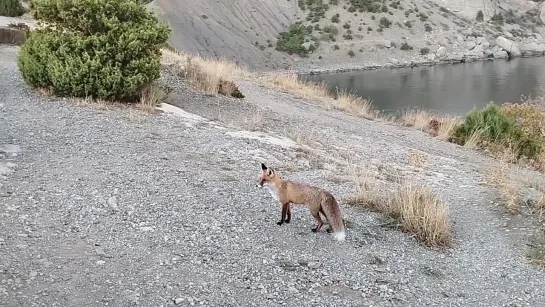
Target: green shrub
[385, 22]
[405, 47]
[424, 51]
[11, 8]
[480, 16]
[509, 126]
[489, 122]
[104, 49]
[372, 6]
[292, 40]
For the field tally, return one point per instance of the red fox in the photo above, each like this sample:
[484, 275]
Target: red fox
[318, 200]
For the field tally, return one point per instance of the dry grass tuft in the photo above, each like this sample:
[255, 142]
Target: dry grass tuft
[210, 76]
[417, 210]
[254, 123]
[416, 118]
[420, 212]
[440, 126]
[536, 251]
[417, 159]
[539, 208]
[150, 97]
[355, 105]
[497, 175]
[291, 84]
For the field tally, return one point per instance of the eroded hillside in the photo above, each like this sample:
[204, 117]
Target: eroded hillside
[243, 31]
[342, 34]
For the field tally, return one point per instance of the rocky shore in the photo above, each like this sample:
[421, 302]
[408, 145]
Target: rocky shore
[463, 50]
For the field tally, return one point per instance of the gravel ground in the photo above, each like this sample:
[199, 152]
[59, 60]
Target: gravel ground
[112, 207]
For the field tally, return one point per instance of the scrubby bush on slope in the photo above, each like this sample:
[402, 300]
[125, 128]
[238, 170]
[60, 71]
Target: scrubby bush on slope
[105, 49]
[11, 8]
[515, 126]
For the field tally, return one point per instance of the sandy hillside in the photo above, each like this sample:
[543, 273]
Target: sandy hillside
[229, 28]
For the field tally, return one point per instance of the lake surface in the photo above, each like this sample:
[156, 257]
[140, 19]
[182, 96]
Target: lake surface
[451, 89]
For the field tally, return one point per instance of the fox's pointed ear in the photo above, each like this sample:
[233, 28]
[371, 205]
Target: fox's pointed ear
[270, 172]
[263, 167]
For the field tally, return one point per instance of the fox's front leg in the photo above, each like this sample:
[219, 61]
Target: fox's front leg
[285, 207]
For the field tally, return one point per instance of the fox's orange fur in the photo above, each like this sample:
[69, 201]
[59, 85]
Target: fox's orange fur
[318, 200]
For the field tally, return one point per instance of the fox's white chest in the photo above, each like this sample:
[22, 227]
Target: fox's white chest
[274, 192]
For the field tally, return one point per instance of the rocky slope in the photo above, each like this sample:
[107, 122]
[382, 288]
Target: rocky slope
[403, 33]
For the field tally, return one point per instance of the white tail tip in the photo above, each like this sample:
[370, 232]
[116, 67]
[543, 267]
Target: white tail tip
[339, 236]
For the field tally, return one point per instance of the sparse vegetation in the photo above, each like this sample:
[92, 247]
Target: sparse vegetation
[11, 8]
[112, 54]
[413, 209]
[427, 27]
[372, 6]
[515, 127]
[292, 40]
[442, 127]
[424, 51]
[351, 53]
[497, 19]
[210, 76]
[405, 46]
[384, 22]
[480, 16]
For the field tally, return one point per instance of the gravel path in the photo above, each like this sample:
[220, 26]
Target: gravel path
[111, 207]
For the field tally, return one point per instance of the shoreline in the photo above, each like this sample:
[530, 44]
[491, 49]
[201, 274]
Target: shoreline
[404, 64]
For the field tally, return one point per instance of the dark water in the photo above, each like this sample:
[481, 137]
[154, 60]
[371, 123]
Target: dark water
[450, 89]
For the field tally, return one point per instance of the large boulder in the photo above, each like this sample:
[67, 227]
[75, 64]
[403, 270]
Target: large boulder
[12, 36]
[509, 46]
[531, 49]
[501, 54]
[476, 53]
[441, 52]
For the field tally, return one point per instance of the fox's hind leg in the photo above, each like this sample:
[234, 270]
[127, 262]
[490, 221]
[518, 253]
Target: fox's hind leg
[316, 214]
[326, 219]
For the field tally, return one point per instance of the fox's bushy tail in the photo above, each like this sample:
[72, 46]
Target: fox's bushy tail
[334, 216]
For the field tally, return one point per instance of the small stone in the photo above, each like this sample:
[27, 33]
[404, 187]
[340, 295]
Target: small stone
[178, 301]
[33, 274]
[383, 288]
[112, 202]
[101, 262]
[313, 265]
[10, 148]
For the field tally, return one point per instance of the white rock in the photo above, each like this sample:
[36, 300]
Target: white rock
[441, 51]
[531, 49]
[508, 45]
